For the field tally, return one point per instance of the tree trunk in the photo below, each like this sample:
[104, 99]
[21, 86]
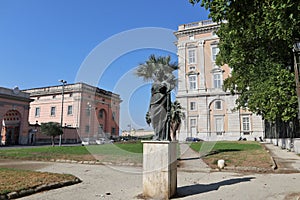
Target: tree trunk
[174, 127]
[53, 144]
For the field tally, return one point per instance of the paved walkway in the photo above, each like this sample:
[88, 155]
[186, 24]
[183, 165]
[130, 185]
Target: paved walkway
[190, 160]
[194, 180]
[285, 160]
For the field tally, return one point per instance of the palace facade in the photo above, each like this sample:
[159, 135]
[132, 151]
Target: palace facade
[210, 111]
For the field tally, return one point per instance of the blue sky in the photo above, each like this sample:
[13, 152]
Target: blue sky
[42, 41]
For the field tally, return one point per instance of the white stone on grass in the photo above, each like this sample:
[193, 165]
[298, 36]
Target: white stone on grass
[221, 164]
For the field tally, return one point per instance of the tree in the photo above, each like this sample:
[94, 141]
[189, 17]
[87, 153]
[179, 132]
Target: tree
[256, 39]
[51, 129]
[177, 115]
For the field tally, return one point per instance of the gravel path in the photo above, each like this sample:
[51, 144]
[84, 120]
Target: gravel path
[114, 183]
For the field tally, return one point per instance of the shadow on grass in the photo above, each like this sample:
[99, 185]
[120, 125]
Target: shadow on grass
[203, 188]
[209, 154]
[194, 158]
[219, 151]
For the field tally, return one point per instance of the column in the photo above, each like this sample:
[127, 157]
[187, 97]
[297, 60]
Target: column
[181, 71]
[201, 65]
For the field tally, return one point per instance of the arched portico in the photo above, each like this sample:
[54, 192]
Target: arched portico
[102, 120]
[11, 123]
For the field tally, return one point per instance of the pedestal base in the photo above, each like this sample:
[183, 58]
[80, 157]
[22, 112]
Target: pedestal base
[159, 169]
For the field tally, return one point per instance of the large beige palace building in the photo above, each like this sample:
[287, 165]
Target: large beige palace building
[210, 113]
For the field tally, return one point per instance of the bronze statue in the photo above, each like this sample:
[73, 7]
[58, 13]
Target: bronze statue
[160, 105]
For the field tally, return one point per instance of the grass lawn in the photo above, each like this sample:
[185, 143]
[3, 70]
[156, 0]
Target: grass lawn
[46, 153]
[13, 180]
[130, 152]
[235, 154]
[118, 152]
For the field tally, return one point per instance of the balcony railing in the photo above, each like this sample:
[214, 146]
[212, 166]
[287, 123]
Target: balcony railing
[196, 24]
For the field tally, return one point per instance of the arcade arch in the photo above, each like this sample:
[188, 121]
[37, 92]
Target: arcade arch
[11, 123]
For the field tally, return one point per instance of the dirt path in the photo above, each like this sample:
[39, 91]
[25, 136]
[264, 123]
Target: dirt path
[23, 164]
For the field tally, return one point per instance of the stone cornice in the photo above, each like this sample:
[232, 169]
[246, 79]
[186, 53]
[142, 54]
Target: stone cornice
[196, 30]
[16, 98]
[203, 94]
[73, 88]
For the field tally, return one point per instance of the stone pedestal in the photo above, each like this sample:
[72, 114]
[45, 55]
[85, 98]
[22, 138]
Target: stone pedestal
[159, 169]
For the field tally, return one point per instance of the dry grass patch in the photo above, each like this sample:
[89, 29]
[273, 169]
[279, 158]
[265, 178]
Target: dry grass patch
[237, 154]
[254, 158]
[15, 180]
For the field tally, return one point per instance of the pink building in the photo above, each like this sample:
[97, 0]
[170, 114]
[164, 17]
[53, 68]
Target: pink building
[90, 111]
[14, 107]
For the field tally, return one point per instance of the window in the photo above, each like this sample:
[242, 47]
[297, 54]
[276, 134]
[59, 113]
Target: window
[219, 122]
[88, 111]
[52, 111]
[192, 105]
[37, 111]
[87, 128]
[193, 122]
[70, 110]
[113, 116]
[192, 56]
[217, 81]
[215, 51]
[192, 68]
[113, 130]
[100, 113]
[218, 105]
[246, 124]
[100, 129]
[193, 82]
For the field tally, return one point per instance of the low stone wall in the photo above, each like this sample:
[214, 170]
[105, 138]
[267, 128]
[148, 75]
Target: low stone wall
[297, 145]
[285, 143]
[36, 137]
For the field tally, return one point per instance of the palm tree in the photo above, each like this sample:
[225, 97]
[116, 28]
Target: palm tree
[177, 115]
[154, 63]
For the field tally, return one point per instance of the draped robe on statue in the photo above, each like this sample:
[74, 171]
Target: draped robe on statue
[160, 101]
